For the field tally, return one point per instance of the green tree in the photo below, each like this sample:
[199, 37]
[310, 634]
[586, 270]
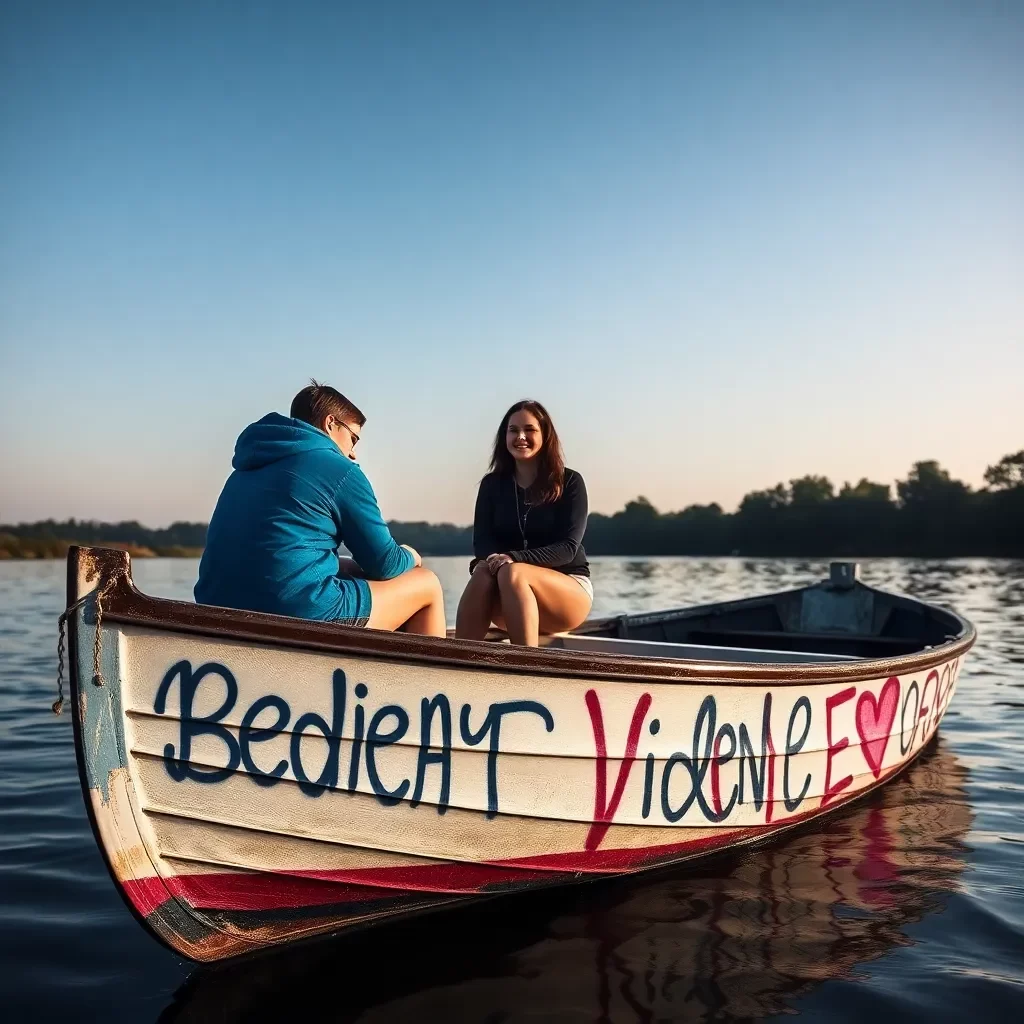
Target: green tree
[764, 501]
[811, 490]
[640, 509]
[1007, 473]
[697, 515]
[866, 490]
[928, 484]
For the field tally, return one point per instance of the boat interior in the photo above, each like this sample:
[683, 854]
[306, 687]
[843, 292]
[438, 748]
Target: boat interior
[839, 619]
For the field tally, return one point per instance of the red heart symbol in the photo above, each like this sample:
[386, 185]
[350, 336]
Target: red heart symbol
[874, 720]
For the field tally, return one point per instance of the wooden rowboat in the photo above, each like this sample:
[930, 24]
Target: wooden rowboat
[739, 939]
[253, 779]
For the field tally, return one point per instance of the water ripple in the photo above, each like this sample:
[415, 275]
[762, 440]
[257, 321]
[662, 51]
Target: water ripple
[907, 907]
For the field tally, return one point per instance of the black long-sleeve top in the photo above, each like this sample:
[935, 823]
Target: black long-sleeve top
[550, 534]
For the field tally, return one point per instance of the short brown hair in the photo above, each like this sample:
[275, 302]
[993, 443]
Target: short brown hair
[315, 402]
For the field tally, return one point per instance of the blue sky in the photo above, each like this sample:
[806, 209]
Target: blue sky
[726, 244]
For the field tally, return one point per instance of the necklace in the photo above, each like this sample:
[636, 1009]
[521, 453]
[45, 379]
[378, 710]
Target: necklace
[521, 516]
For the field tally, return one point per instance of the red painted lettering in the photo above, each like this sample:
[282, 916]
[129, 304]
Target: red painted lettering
[831, 703]
[925, 708]
[604, 810]
[716, 791]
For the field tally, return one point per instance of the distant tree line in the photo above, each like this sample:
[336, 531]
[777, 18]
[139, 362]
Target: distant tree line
[930, 514]
[51, 539]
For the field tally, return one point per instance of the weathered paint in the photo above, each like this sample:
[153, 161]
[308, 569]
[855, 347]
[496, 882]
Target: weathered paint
[247, 794]
[561, 750]
[99, 706]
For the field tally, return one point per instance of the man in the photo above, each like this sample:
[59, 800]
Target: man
[296, 493]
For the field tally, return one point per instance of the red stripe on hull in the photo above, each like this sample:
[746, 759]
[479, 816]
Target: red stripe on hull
[276, 890]
[247, 891]
[252, 890]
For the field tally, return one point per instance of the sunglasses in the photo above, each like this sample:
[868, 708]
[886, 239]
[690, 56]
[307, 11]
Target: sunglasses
[352, 433]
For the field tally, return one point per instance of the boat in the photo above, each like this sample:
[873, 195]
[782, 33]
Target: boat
[742, 938]
[254, 780]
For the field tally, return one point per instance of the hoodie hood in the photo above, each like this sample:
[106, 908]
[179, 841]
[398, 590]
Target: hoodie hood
[278, 437]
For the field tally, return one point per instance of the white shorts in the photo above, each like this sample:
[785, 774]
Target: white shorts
[584, 582]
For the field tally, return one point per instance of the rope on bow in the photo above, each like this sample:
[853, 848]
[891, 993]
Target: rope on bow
[97, 646]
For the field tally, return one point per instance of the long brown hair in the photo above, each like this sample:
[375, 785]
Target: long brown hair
[551, 466]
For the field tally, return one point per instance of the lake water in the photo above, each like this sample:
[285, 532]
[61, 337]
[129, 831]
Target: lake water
[908, 907]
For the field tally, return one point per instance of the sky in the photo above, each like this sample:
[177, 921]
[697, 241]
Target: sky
[726, 244]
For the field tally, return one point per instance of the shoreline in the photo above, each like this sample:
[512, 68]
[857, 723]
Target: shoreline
[138, 551]
[53, 551]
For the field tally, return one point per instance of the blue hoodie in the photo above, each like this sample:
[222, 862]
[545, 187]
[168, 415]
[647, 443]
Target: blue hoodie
[272, 545]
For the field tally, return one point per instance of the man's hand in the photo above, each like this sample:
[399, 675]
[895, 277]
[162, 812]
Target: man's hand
[415, 554]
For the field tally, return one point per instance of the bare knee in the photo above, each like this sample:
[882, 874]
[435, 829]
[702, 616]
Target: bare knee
[481, 584]
[512, 576]
[418, 584]
[427, 580]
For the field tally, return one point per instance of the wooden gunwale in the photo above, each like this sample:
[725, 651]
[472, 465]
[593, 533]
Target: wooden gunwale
[125, 604]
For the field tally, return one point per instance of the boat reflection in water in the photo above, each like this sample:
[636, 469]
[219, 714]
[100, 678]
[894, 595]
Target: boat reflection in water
[737, 938]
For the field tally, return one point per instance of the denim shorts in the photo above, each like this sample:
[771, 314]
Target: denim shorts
[352, 608]
[353, 620]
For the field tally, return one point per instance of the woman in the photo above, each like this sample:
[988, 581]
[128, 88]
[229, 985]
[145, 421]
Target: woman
[530, 574]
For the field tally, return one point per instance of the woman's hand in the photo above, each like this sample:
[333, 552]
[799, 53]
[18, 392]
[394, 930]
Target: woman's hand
[495, 562]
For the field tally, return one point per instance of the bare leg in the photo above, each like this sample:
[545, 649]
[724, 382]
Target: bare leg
[477, 605]
[535, 599]
[412, 602]
[428, 621]
[518, 605]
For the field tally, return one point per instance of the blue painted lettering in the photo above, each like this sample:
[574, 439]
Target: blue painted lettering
[427, 757]
[492, 727]
[179, 765]
[374, 739]
[794, 747]
[250, 734]
[328, 777]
